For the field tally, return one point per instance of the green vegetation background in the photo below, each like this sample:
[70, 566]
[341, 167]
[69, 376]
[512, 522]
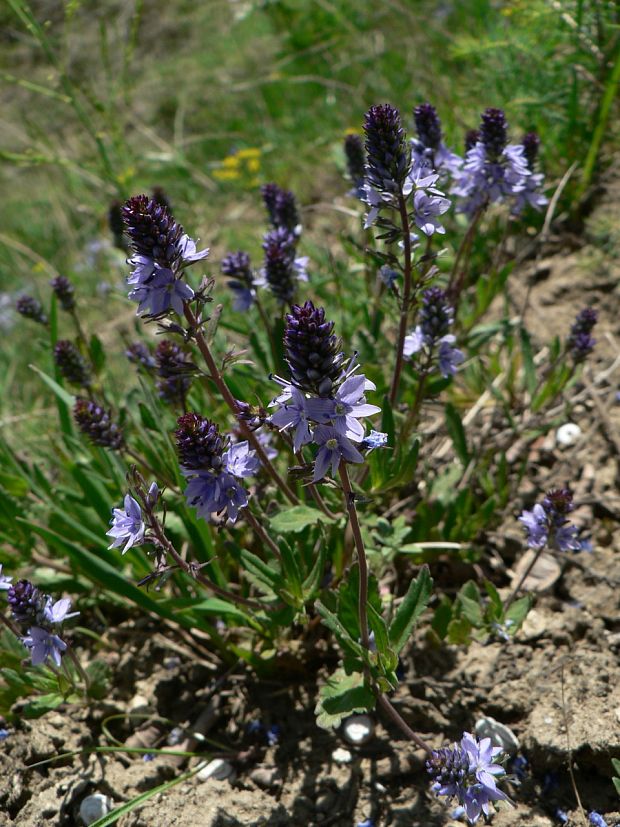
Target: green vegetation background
[208, 100]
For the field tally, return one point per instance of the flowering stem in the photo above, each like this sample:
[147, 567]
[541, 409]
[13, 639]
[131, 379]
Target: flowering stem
[522, 579]
[404, 311]
[382, 700]
[314, 491]
[167, 546]
[221, 385]
[361, 553]
[455, 285]
[415, 408]
[385, 704]
[260, 532]
[78, 666]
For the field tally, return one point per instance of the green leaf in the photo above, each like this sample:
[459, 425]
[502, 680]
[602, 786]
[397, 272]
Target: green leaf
[340, 696]
[472, 610]
[297, 518]
[97, 353]
[335, 625]
[410, 609]
[14, 485]
[456, 431]
[517, 612]
[44, 703]
[218, 606]
[617, 784]
[60, 392]
[113, 817]
[147, 417]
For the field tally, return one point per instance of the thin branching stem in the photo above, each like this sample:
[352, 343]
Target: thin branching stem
[404, 311]
[169, 548]
[221, 385]
[349, 497]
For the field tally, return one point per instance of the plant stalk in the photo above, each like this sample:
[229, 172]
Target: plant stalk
[404, 311]
[221, 385]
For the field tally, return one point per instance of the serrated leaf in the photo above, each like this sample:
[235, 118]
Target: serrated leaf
[410, 609]
[295, 519]
[340, 696]
[517, 611]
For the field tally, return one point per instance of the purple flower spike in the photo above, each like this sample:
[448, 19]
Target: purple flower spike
[546, 524]
[466, 771]
[44, 646]
[334, 447]
[127, 525]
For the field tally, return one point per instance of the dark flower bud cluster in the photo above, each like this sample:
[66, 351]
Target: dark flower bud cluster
[30, 308]
[355, 157]
[64, 292]
[214, 466]
[428, 125]
[313, 352]
[466, 772]
[558, 502]
[281, 270]
[26, 602]
[95, 423]
[199, 443]
[281, 208]
[472, 136]
[173, 367]
[436, 315]
[387, 161]
[39, 614]
[494, 171]
[238, 268]
[138, 353]
[494, 132]
[432, 335]
[161, 250]
[546, 523]
[117, 225]
[71, 364]
[531, 144]
[152, 230]
[324, 400]
[580, 340]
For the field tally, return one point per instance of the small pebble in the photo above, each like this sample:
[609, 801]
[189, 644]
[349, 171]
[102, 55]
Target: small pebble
[342, 756]
[218, 769]
[358, 729]
[94, 807]
[500, 735]
[567, 434]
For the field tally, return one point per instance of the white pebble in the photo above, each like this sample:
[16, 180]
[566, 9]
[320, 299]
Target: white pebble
[94, 807]
[218, 769]
[342, 756]
[567, 434]
[500, 735]
[358, 729]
